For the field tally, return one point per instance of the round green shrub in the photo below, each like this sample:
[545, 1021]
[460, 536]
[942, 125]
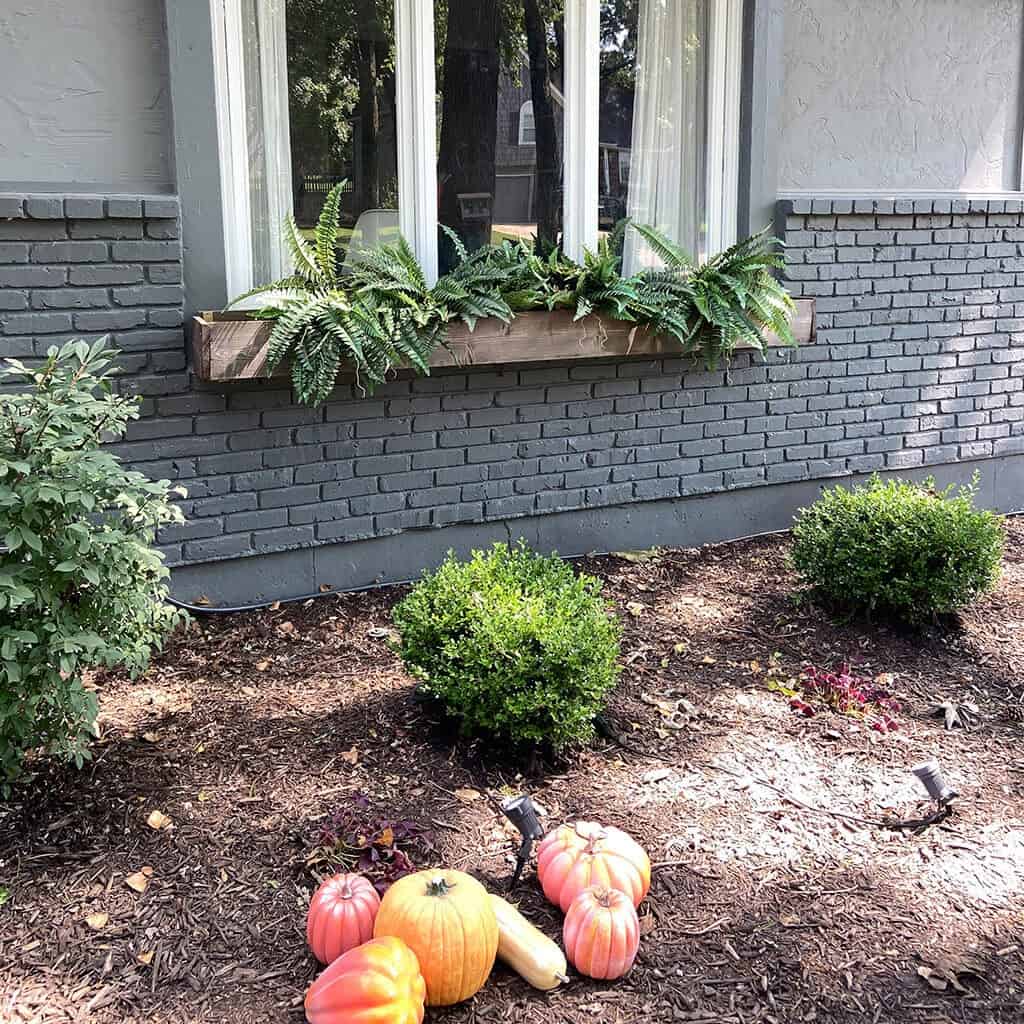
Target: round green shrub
[898, 548]
[514, 644]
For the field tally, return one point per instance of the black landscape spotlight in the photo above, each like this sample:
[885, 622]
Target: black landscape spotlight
[521, 812]
[930, 776]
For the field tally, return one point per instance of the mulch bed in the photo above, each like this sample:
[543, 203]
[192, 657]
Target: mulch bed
[773, 898]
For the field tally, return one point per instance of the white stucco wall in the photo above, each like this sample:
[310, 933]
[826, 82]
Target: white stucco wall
[901, 94]
[84, 96]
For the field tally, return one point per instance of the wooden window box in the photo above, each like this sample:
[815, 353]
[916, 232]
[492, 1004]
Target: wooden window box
[233, 347]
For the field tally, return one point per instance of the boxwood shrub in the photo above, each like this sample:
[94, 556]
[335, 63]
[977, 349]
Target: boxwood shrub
[898, 549]
[514, 644]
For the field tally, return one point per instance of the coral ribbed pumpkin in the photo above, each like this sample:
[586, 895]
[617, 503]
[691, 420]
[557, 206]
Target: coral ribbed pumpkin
[601, 933]
[447, 920]
[341, 916]
[576, 856]
[378, 982]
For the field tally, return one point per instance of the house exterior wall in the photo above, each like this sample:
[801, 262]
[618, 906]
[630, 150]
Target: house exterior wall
[901, 94]
[916, 366]
[916, 369]
[84, 96]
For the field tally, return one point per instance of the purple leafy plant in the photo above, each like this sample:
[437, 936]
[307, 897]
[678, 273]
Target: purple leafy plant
[848, 694]
[355, 837]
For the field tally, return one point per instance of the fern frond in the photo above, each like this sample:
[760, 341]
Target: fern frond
[303, 255]
[460, 248]
[672, 255]
[326, 234]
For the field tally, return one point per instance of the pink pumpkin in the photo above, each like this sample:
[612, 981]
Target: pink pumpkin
[341, 916]
[576, 856]
[601, 933]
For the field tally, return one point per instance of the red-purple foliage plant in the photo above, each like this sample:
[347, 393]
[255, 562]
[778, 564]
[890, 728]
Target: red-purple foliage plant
[356, 838]
[848, 694]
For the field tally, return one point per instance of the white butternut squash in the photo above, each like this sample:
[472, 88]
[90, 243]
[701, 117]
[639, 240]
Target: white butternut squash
[526, 949]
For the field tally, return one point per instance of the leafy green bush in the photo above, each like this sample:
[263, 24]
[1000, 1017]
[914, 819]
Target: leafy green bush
[512, 643]
[80, 585]
[898, 548]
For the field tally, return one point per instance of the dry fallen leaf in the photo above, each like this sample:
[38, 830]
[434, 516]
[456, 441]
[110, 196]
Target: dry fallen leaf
[934, 980]
[286, 627]
[635, 608]
[137, 882]
[151, 737]
[275, 606]
[97, 921]
[325, 588]
[707, 660]
[147, 957]
[647, 924]
[202, 796]
[467, 796]
[202, 600]
[262, 666]
[158, 820]
[351, 756]
[249, 691]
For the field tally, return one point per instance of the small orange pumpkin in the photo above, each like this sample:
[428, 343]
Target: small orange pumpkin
[341, 916]
[447, 920]
[377, 981]
[601, 933]
[576, 856]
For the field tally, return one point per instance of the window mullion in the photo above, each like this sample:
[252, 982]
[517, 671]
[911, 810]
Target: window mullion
[417, 130]
[582, 80]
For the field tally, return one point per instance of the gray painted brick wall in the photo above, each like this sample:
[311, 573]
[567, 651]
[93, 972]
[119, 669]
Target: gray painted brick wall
[917, 362]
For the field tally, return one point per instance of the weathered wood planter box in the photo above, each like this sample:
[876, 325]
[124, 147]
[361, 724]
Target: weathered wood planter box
[232, 347]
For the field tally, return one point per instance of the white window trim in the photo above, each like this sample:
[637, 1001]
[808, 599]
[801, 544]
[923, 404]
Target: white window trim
[581, 142]
[527, 107]
[417, 127]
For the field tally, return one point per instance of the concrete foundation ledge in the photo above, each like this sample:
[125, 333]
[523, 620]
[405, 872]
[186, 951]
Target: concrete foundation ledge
[680, 522]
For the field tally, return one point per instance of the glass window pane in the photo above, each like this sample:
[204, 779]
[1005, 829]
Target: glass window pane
[653, 122]
[500, 118]
[341, 89]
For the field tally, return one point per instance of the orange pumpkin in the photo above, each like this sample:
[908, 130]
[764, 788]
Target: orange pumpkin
[576, 856]
[341, 915]
[601, 933]
[378, 982]
[446, 918]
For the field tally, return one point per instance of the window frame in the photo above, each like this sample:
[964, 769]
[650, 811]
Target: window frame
[417, 125]
[527, 107]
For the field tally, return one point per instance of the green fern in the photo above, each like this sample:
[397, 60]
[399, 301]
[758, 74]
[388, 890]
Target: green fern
[379, 314]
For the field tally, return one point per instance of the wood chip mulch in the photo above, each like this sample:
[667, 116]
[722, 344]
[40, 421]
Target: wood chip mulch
[778, 893]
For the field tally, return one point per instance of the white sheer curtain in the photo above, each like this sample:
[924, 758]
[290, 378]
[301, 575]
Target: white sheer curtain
[267, 144]
[667, 179]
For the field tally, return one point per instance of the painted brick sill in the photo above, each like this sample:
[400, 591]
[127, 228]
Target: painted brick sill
[88, 206]
[231, 347]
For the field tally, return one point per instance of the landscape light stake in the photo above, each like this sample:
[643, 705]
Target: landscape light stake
[521, 812]
[929, 774]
